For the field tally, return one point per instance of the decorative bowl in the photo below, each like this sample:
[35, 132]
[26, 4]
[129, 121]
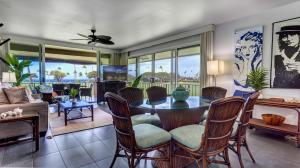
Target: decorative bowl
[273, 119]
[180, 94]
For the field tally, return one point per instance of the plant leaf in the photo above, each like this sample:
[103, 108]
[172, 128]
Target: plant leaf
[257, 79]
[136, 81]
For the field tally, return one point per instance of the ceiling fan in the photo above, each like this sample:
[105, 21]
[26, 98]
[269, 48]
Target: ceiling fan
[3, 41]
[92, 38]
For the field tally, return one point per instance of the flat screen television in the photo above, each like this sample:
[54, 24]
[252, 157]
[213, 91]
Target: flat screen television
[115, 72]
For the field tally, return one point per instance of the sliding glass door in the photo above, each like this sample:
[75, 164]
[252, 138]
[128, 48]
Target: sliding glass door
[145, 67]
[169, 69]
[163, 70]
[188, 69]
[131, 69]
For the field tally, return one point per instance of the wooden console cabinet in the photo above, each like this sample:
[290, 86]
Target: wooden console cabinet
[293, 130]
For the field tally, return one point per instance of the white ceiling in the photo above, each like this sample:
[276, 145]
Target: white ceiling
[129, 22]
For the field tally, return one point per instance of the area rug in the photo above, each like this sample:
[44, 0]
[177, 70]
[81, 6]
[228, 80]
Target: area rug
[57, 124]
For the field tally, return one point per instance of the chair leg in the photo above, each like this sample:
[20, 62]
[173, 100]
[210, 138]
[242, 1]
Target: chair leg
[115, 156]
[132, 161]
[249, 152]
[238, 147]
[227, 158]
[171, 155]
[204, 163]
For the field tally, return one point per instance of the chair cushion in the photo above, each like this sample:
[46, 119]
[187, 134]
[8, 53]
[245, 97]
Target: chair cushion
[190, 135]
[145, 119]
[147, 135]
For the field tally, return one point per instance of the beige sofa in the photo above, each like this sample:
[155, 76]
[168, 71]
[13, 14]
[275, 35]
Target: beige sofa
[8, 130]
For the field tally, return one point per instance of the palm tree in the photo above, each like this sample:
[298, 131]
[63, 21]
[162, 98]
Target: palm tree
[84, 67]
[162, 70]
[75, 72]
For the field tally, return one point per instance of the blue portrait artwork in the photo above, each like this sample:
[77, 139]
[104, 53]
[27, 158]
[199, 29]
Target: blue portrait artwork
[247, 55]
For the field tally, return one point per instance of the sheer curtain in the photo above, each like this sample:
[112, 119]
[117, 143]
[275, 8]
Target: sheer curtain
[206, 44]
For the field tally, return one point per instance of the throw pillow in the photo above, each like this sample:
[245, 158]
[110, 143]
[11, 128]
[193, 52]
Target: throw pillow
[3, 98]
[16, 95]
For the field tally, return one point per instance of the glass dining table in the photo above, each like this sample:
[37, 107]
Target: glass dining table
[174, 114]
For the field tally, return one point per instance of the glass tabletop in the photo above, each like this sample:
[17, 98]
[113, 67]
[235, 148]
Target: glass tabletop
[78, 104]
[170, 103]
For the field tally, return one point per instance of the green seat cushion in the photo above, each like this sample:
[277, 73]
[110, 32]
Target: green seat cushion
[147, 135]
[145, 119]
[189, 136]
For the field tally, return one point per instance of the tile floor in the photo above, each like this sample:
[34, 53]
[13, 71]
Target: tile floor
[94, 149]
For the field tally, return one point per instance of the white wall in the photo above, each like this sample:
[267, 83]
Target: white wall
[224, 44]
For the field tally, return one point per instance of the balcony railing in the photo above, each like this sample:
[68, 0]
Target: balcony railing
[193, 88]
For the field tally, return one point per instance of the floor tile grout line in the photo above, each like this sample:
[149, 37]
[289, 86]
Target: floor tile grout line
[61, 154]
[95, 161]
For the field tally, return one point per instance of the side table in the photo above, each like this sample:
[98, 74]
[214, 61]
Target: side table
[32, 119]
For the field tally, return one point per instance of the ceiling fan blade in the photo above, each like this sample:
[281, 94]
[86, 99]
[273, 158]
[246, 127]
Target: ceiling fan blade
[90, 42]
[104, 37]
[3, 42]
[106, 42]
[79, 39]
[82, 35]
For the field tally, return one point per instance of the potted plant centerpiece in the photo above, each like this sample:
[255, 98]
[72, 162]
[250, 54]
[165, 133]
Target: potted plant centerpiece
[73, 94]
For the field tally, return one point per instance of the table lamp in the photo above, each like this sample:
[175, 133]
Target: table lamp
[214, 68]
[9, 77]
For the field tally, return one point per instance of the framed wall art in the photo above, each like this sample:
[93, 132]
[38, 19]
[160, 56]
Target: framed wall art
[285, 67]
[247, 55]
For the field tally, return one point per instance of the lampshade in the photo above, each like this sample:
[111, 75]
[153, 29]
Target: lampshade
[9, 77]
[215, 67]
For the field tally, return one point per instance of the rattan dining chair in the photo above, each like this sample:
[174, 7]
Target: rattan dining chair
[156, 93]
[203, 143]
[135, 97]
[238, 136]
[214, 92]
[136, 141]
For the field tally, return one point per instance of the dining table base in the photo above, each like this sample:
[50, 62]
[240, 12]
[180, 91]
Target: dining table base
[178, 162]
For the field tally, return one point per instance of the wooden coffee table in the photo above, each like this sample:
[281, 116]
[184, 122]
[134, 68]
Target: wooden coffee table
[69, 106]
[33, 120]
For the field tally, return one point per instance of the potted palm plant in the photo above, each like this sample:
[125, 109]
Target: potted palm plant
[257, 79]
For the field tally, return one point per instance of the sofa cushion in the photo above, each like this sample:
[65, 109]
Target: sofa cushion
[147, 135]
[189, 135]
[3, 98]
[16, 95]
